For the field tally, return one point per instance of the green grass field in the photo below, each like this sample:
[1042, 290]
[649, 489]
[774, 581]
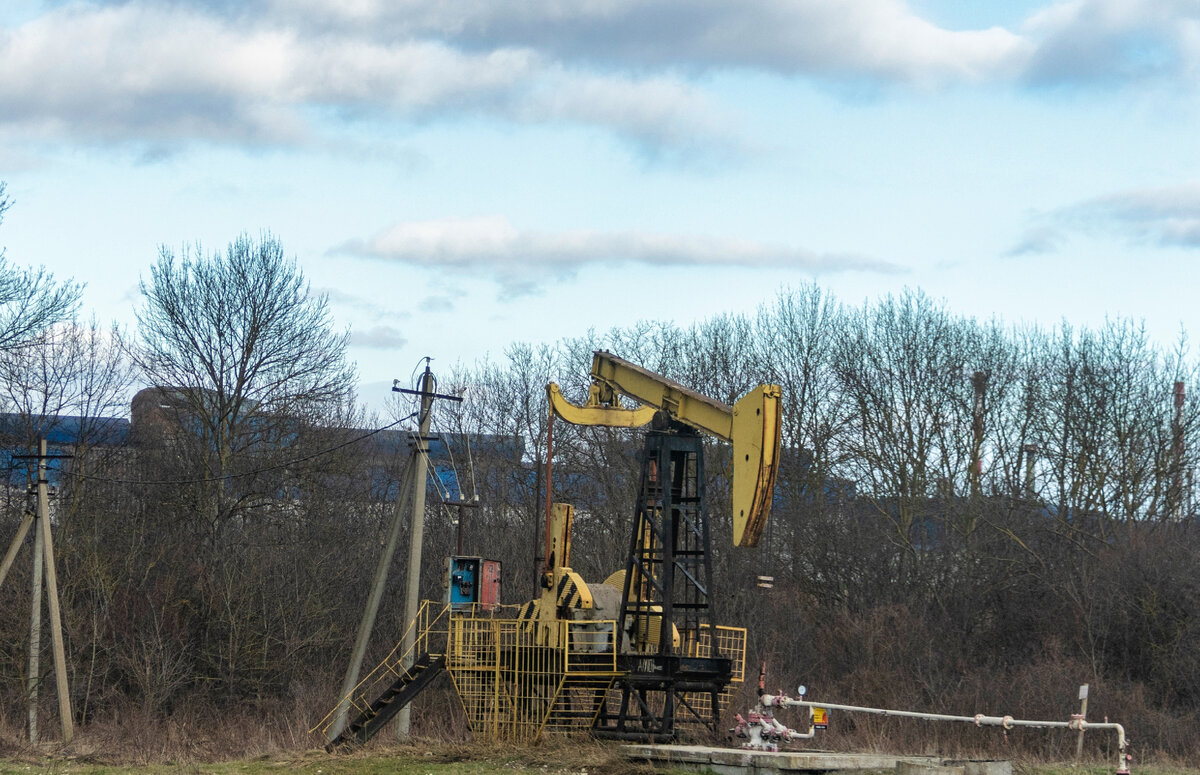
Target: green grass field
[576, 757]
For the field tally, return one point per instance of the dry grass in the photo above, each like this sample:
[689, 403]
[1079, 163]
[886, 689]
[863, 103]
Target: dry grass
[582, 756]
[273, 737]
[558, 756]
[216, 747]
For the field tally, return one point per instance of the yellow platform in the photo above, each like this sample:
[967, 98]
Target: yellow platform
[511, 688]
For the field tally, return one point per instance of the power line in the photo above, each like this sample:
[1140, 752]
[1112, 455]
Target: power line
[284, 464]
[442, 491]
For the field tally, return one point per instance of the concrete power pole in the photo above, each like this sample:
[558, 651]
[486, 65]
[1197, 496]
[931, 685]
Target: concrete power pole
[43, 557]
[56, 636]
[35, 620]
[416, 536]
[412, 497]
[367, 624]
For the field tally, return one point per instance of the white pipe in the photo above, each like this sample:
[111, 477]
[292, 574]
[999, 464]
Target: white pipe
[762, 724]
[980, 720]
[792, 734]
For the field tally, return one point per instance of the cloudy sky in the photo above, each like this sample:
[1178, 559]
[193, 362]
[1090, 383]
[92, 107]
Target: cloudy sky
[459, 175]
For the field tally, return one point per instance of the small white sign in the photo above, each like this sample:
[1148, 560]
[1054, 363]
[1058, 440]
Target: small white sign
[1083, 692]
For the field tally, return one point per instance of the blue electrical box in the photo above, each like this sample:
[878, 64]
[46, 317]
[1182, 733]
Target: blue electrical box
[471, 581]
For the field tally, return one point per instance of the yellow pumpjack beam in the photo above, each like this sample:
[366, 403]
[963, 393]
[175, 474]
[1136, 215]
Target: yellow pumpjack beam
[752, 425]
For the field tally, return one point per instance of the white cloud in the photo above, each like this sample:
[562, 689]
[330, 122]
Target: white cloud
[872, 38]
[522, 260]
[153, 74]
[1167, 217]
[1043, 238]
[131, 72]
[1114, 40]
[378, 338]
[409, 77]
[658, 113]
[358, 303]
[164, 73]
[881, 40]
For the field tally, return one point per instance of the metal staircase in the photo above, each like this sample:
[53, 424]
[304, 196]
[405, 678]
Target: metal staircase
[375, 716]
[394, 682]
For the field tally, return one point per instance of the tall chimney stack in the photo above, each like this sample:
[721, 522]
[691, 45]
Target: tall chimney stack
[1175, 492]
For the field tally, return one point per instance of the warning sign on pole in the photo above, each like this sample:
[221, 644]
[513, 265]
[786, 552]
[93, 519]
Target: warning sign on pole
[820, 718]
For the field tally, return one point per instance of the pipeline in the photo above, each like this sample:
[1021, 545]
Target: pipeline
[762, 730]
[1077, 722]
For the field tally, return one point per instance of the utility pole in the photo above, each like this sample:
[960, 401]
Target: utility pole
[411, 495]
[56, 636]
[43, 555]
[367, 624]
[35, 618]
[416, 536]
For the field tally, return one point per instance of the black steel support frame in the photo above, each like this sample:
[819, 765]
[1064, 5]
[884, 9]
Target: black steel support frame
[669, 562]
[668, 574]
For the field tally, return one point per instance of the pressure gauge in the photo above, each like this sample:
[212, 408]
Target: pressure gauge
[801, 690]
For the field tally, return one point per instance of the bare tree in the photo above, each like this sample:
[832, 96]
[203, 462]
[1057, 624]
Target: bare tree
[31, 300]
[243, 355]
[248, 377]
[72, 382]
[898, 364]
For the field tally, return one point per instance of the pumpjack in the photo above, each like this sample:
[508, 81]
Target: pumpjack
[638, 656]
[670, 661]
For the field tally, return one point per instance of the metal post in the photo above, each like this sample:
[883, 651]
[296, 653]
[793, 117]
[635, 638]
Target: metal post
[416, 535]
[459, 527]
[1083, 697]
[56, 636]
[549, 481]
[11, 555]
[35, 615]
[373, 600]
